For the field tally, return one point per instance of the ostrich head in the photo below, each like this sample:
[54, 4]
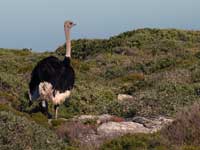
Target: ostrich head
[68, 24]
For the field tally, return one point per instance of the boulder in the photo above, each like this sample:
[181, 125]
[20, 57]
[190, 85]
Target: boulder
[124, 97]
[154, 124]
[119, 128]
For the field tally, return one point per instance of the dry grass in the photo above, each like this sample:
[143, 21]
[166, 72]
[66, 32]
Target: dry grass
[185, 129]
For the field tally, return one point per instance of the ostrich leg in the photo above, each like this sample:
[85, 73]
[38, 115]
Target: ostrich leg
[56, 107]
[44, 108]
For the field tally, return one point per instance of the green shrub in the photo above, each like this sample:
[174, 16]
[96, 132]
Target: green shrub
[136, 142]
[121, 109]
[40, 119]
[197, 55]
[113, 72]
[17, 132]
[57, 122]
[159, 64]
[190, 148]
[196, 75]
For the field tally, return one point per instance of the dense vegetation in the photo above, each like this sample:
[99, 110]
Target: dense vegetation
[17, 132]
[160, 68]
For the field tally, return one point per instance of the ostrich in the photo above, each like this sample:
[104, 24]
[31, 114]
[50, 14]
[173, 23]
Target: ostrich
[53, 79]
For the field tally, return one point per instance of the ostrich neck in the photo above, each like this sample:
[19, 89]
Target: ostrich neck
[68, 43]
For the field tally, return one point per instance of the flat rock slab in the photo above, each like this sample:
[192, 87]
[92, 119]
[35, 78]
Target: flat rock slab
[119, 128]
[154, 124]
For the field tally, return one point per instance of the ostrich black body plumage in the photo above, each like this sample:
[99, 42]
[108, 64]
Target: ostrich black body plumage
[52, 70]
[59, 74]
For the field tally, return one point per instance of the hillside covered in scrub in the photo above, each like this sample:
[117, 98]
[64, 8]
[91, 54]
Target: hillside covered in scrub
[158, 67]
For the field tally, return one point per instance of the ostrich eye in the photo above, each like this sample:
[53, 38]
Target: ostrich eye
[70, 23]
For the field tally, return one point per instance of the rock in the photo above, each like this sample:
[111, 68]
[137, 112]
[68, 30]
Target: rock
[124, 97]
[146, 122]
[119, 128]
[136, 125]
[154, 124]
[161, 122]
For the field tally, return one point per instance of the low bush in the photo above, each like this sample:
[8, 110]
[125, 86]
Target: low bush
[40, 119]
[196, 75]
[17, 132]
[185, 129]
[137, 142]
[75, 132]
[158, 65]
